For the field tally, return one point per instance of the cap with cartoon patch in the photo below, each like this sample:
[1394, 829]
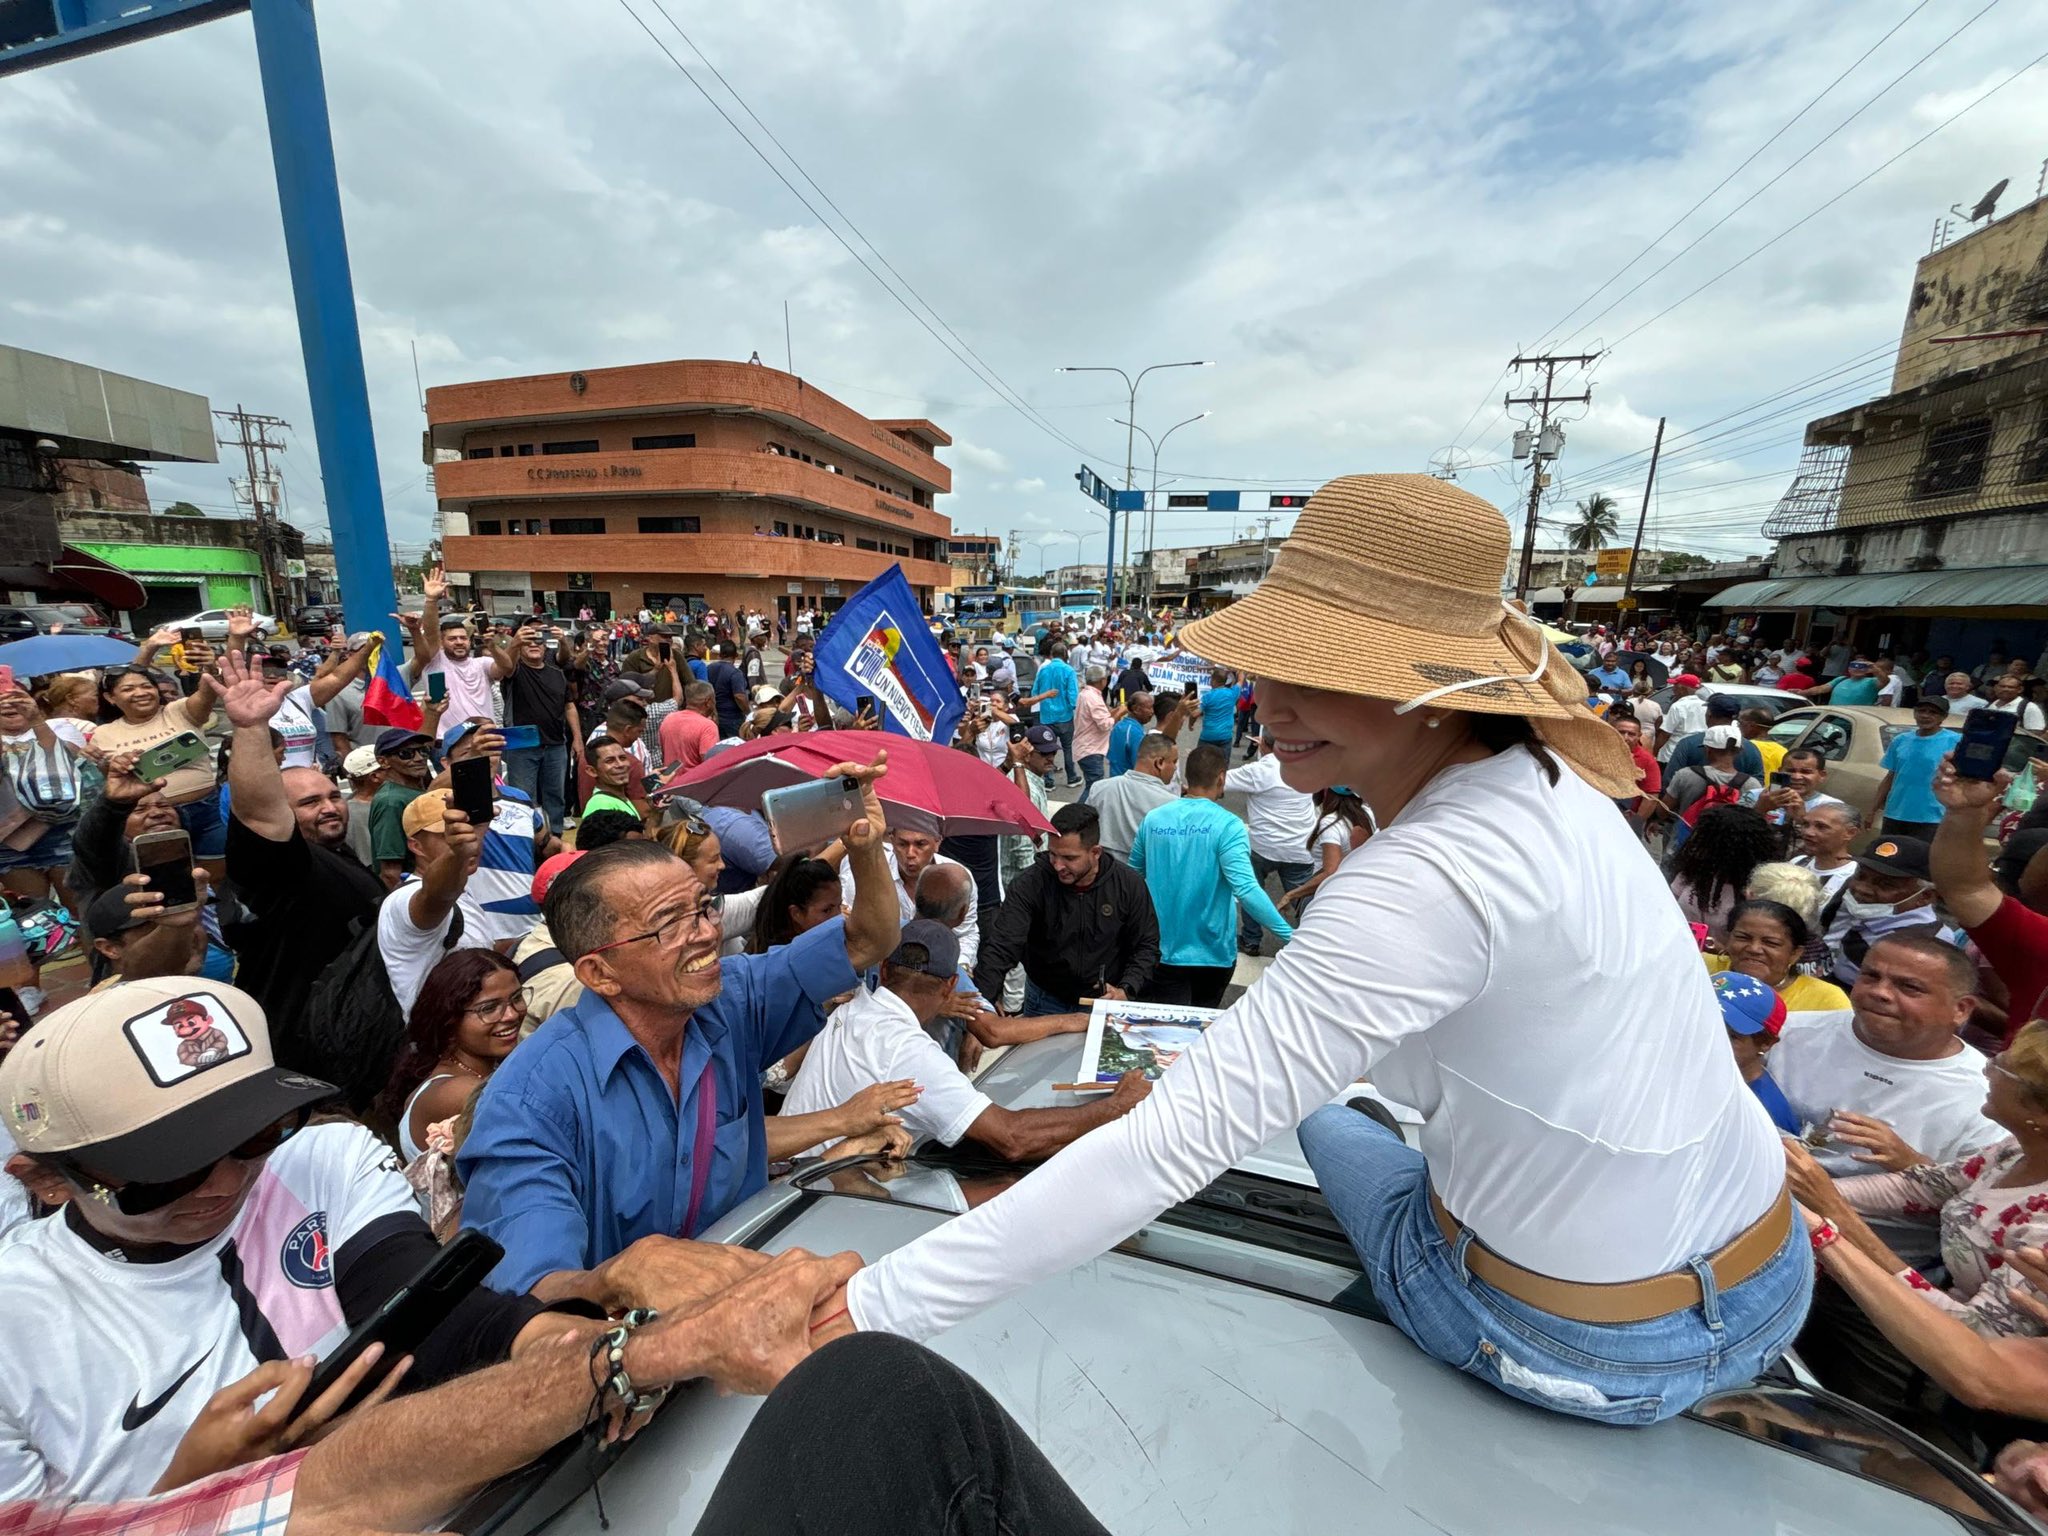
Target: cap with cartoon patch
[150, 1079]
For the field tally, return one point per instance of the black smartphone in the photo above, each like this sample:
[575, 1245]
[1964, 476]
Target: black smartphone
[164, 859]
[1987, 734]
[188, 633]
[1781, 781]
[413, 1311]
[864, 703]
[11, 1003]
[470, 791]
[665, 650]
[437, 687]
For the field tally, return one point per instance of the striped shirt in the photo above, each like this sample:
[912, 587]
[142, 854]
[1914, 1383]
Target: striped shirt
[498, 901]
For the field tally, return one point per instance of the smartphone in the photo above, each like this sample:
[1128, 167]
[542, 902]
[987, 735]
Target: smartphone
[811, 815]
[413, 1311]
[864, 704]
[470, 790]
[437, 687]
[188, 633]
[166, 757]
[518, 736]
[164, 859]
[1781, 781]
[665, 650]
[1987, 733]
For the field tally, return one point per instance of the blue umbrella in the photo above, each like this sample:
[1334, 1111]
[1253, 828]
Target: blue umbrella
[40, 654]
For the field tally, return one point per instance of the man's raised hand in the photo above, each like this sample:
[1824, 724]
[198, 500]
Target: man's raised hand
[248, 700]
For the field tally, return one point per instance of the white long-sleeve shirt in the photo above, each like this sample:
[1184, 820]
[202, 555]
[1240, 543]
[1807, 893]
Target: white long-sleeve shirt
[1583, 1113]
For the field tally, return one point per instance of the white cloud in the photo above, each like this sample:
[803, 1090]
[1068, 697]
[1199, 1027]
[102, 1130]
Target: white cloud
[1360, 212]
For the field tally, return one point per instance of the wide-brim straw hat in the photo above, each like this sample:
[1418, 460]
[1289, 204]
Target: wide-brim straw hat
[1389, 588]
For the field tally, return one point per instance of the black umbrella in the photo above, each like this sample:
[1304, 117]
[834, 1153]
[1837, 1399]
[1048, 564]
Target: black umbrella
[1659, 667]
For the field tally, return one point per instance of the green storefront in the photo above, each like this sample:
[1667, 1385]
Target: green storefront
[183, 579]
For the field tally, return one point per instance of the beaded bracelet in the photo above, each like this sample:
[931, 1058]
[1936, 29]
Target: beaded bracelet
[616, 1381]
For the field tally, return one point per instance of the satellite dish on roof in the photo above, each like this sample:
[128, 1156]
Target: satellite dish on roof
[1985, 204]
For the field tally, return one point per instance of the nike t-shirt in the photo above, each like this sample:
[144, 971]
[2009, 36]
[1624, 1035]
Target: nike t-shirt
[109, 1363]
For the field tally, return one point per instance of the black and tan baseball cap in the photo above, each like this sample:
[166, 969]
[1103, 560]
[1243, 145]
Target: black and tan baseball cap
[149, 1080]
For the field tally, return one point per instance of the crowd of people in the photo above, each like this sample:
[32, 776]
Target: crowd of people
[351, 1019]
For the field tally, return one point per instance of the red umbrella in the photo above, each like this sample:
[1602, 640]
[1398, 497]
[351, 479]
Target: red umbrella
[957, 789]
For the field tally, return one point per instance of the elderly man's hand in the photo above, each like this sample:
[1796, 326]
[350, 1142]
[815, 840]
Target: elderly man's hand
[1880, 1144]
[676, 1274]
[872, 825]
[754, 1332]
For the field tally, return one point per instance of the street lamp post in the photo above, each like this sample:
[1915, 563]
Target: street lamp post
[1130, 452]
[1040, 544]
[1145, 587]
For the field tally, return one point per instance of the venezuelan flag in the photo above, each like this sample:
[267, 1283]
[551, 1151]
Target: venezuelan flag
[388, 701]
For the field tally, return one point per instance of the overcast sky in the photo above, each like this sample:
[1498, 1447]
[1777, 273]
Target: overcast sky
[1359, 212]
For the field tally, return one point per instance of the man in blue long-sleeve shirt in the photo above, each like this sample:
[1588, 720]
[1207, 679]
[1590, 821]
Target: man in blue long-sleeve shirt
[1057, 698]
[1196, 858]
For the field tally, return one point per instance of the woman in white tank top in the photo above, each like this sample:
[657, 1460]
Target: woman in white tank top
[466, 1021]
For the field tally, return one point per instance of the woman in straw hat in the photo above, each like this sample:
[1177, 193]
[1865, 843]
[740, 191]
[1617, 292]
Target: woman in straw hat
[1596, 1220]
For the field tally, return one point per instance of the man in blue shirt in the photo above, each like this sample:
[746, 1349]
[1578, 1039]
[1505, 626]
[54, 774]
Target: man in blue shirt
[1905, 796]
[1125, 735]
[1219, 709]
[1195, 857]
[1610, 677]
[637, 1111]
[1058, 696]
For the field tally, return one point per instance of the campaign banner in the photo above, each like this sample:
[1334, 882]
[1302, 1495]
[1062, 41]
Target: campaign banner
[1178, 672]
[878, 645]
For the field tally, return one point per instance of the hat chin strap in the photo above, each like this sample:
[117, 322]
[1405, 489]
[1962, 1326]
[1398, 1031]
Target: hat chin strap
[1542, 666]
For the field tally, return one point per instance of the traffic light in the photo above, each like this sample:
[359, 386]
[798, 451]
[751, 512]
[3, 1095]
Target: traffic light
[1286, 501]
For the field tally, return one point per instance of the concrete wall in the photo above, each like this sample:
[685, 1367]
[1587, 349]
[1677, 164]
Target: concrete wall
[1993, 279]
[1967, 543]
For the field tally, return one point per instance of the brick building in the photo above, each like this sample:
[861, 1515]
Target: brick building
[683, 484]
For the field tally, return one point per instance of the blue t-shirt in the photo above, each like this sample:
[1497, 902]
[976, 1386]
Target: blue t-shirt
[1066, 692]
[1123, 746]
[1219, 714]
[1772, 1097]
[1911, 760]
[579, 1146]
[1854, 690]
[1196, 858]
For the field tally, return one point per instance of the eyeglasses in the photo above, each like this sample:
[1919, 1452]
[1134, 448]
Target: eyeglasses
[1997, 1064]
[670, 933]
[505, 1007]
[137, 1198]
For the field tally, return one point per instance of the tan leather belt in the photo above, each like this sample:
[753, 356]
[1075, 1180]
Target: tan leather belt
[1627, 1301]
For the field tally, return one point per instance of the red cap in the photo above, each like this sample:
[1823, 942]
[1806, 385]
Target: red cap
[1685, 680]
[550, 870]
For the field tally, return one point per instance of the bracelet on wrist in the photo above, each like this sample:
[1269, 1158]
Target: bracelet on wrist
[1826, 1235]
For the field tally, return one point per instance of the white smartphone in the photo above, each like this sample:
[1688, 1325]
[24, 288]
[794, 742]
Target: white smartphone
[811, 815]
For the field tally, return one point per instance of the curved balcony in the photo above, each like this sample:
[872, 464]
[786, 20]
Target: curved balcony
[673, 472]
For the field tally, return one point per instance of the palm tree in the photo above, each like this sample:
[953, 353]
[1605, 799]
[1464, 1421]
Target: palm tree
[1596, 525]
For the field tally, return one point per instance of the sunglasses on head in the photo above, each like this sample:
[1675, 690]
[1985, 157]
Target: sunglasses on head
[137, 1198]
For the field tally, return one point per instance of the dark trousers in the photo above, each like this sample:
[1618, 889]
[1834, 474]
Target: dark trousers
[952, 1459]
[1201, 985]
[1291, 874]
[1064, 729]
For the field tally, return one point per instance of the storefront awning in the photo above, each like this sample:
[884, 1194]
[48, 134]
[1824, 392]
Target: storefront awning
[76, 573]
[2010, 586]
[1547, 595]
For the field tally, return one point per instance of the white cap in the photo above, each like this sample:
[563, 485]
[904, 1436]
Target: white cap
[360, 763]
[1721, 736]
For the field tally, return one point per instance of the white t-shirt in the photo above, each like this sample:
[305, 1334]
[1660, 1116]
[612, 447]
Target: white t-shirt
[94, 1343]
[298, 721]
[410, 952]
[1831, 880]
[875, 1038]
[992, 746]
[2030, 714]
[64, 728]
[469, 685]
[1685, 716]
[969, 930]
[1888, 694]
[1583, 1113]
[1279, 818]
[1958, 708]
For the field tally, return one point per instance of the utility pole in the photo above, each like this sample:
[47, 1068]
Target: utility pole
[253, 437]
[1545, 446]
[1628, 581]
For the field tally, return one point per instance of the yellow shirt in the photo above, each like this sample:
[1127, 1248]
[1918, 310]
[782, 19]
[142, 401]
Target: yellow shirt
[1772, 752]
[1802, 994]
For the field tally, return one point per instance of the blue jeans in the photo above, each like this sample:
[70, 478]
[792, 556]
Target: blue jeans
[1291, 874]
[1094, 769]
[1039, 1003]
[207, 827]
[541, 774]
[1626, 1373]
[1064, 729]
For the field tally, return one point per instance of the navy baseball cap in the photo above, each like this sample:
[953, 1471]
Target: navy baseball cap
[927, 946]
[1043, 739]
[398, 738]
[1749, 1006]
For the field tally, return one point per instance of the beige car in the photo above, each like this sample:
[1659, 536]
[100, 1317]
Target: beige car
[1852, 737]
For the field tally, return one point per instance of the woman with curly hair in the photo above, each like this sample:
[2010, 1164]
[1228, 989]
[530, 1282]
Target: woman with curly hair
[1711, 870]
[465, 1022]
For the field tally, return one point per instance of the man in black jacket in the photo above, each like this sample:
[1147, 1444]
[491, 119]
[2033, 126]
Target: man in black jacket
[1081, 923]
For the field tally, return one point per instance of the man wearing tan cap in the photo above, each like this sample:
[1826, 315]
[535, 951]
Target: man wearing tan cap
[419, 921]
[206, 1229]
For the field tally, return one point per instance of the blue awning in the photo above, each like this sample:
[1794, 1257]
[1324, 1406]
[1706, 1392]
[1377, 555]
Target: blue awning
[1984, 587]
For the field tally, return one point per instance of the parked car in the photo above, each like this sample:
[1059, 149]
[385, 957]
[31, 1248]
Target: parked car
[1226, 1369]
[1749, 694]
[1852, 737]
[212, 624]
[67, 618]
[316, 619]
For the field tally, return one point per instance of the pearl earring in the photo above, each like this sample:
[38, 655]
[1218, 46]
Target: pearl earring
[1434, 721]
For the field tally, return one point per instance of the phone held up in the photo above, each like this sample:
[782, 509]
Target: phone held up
[167, 757]
[470, 790]
[1987, 734]
[437, 687]
[164, 859]
[812, 815]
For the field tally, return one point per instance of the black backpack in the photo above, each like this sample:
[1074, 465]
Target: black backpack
[352, 1028]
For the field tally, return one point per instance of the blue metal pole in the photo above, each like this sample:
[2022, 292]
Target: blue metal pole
[309, 196]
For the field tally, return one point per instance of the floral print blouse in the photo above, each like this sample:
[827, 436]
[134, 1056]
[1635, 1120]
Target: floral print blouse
[1980, 1224]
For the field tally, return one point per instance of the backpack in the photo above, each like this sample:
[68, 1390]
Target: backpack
[1717, 794]
[352, 1028]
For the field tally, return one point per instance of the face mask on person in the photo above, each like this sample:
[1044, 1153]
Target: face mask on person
[1865, 911]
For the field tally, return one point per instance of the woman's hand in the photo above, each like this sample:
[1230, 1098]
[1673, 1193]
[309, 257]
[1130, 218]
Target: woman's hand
[231, 1430]
[891, 1141]
[1880, 1143]
[1810, 1183]
[875, 1105]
